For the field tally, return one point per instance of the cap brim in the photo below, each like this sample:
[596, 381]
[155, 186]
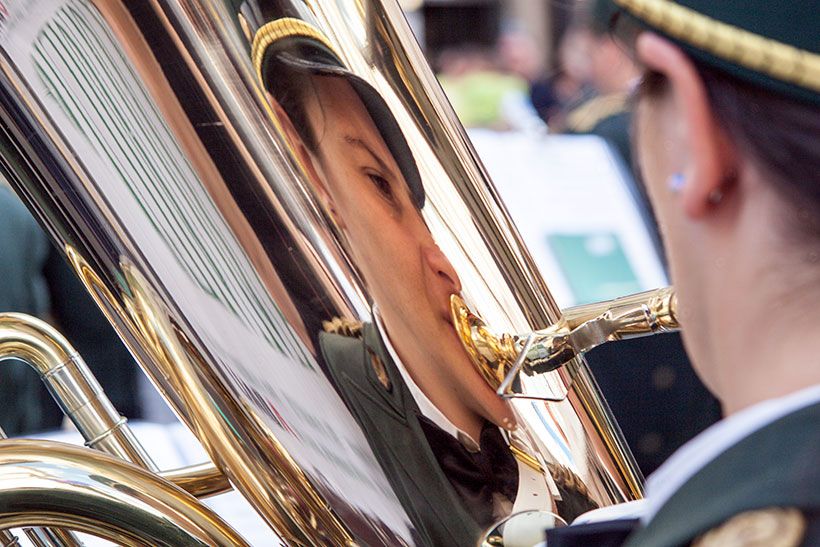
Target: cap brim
[318, 60]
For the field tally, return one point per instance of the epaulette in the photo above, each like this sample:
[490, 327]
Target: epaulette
[773, 526]
[584, 118]
[342, 326]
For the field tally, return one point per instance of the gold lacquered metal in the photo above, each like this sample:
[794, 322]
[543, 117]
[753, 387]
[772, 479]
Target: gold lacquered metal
[170, 348]
[148, 150]
[78, 394]
[499, 358]
[201, 480]
[46, 483]
[492, 355]
[40, 537]
[71, 384]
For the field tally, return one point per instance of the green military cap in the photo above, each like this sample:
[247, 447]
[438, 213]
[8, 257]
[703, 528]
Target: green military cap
[773, 44]
[300, 46]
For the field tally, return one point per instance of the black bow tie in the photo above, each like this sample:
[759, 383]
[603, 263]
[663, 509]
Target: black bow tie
[477, 475]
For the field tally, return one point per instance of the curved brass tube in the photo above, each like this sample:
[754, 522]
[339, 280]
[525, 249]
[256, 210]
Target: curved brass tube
[78, 393]
[201, 480]
[47, 483]
[72, 385]
[499, 358]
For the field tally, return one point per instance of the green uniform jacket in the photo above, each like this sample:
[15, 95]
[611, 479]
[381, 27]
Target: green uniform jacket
[24, 250]
[775, 467]
[360, 368]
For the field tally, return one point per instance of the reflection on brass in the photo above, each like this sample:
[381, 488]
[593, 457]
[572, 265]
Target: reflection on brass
[179, 363]
[194, 213]
[499, 359]
[525, 457]
[379, 370]
[201, 480]
[281, 28]
[343, 327]
[51, 484]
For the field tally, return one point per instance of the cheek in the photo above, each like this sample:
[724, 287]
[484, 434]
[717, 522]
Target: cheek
[657, 160]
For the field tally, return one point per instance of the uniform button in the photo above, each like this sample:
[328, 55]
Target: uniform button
[663, 377]
[650, 443]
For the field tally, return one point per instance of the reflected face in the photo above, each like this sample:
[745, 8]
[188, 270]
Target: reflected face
[409, 278]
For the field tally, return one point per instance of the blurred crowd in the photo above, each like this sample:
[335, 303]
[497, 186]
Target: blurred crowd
[509, 85]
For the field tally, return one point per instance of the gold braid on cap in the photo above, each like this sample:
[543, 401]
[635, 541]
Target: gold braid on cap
[764, 55]
[279, 29]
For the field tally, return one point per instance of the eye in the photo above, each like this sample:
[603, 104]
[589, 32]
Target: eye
[382, 185]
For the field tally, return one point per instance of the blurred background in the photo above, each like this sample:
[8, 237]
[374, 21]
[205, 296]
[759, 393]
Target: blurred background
[544, 94]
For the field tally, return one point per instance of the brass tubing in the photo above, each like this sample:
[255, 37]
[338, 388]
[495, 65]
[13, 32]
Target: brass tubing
[72, 385]
[47, 483]
[583, 328]
[201, 480]
[662, 302]
[80, 396]
[40, 537]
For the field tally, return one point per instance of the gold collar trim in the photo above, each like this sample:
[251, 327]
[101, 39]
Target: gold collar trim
[764, 55]
[279, 29]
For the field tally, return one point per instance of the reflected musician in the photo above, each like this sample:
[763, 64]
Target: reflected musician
[449, 445]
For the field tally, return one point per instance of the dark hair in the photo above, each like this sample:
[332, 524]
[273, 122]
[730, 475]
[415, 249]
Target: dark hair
[288, 78]
[780, 134]
[291, 87]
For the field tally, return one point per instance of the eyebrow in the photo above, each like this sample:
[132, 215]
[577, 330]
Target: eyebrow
[359, 143]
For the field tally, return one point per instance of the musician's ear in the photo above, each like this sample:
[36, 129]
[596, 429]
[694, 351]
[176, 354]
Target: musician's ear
[709, 155]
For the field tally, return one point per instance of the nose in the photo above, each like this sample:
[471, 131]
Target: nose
[444, 275]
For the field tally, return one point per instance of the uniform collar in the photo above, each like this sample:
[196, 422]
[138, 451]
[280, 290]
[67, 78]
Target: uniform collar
[426, 406]
[697, 453]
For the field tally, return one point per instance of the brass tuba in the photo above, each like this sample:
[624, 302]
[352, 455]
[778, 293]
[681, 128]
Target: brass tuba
[239, 184]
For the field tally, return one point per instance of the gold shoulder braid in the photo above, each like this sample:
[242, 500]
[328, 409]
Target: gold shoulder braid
[343, 327]
[567, 480]
[588, 115]
[771, 527]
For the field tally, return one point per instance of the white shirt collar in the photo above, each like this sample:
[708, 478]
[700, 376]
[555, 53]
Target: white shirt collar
[697, 453]
[534, 492]
[426, 406]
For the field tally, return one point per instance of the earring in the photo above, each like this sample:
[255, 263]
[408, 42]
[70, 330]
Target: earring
[676, 182]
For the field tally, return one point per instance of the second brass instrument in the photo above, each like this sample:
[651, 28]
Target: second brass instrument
[501, 358]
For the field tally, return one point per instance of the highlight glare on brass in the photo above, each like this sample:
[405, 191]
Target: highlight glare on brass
[52, 484]
[500, 358]
[140, 136]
